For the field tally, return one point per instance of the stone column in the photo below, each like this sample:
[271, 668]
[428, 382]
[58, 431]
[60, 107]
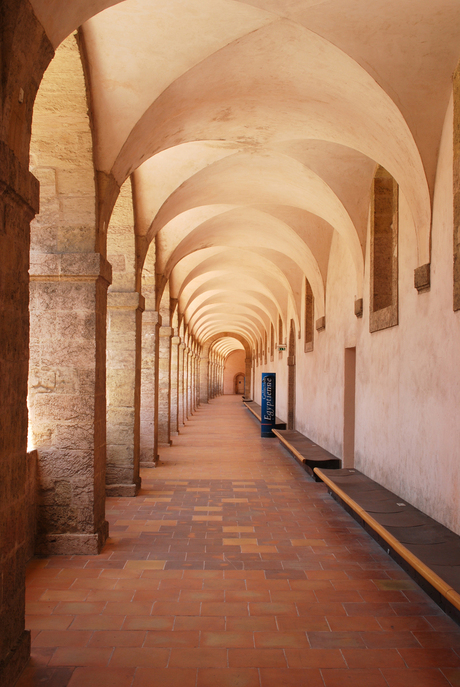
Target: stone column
[248, 378]
[181, 387]
[197, 380]
[18, 205]
[188, 379]
[193, 387]
[124, 341]
[67, 399]
[204, 365]
[174, 402]
[164, 387]
[151, 321]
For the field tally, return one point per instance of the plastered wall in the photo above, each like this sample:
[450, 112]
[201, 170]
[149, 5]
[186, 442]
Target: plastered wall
[233, 366]
[407, 432]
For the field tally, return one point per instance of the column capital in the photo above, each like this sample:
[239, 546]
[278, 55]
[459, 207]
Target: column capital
[166, 331]
[69, 267]
[151, 317]
[125, 300]
[175, 340]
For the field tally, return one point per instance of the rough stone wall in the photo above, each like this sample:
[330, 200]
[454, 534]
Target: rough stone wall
[26, 52]
[124, 333]
[68, 317]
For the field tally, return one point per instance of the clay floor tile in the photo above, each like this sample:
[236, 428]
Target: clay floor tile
[251, 624]
[97, 622]
[198, 658]
[356, 678]
[117, 638]
[114, 595]
[283, 640]
[175, 608]
[165, 677]
[48, 622]
[228, 677]
[54, 638]
[247, 595]
[314, 658]
[260, 608]
[67, 656]
[366, 609]
[132, 608]
[49, 676]
[188, 638]
[207, 624]
[203, 595]
[148, 622]
[394, 640]
[81, 608]
[419, 678]
[224, 609]
[227, 639]
[335, 640]
[65, 595]
[360, 624]
[438, 639]
[430, 657]
[133, 657]
[102, 677]
[256, 658]
[373, 658]
[291, 677]
[397, 623]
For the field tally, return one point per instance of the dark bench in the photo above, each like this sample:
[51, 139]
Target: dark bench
[428, 551]
[306, 452]
[256, 410]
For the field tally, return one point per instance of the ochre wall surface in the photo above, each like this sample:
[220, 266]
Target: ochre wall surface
[234, 365]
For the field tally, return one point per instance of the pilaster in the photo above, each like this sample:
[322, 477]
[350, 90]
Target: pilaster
[151, 322]
[124, 340]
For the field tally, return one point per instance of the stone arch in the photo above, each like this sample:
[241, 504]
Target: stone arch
[204, 358]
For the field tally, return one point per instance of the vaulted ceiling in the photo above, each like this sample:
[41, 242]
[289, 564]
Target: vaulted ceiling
[252, 130]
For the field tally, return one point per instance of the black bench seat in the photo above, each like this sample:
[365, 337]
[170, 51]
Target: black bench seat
[306, 452]
[427, 550]
[256, 410]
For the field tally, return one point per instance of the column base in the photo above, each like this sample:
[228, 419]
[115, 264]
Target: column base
[122, 489]
[165, 443]
[71, 544]
[15, 662]
[149, 463]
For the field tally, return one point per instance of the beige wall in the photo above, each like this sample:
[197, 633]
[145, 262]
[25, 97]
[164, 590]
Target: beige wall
[233, 366]
[407, 377]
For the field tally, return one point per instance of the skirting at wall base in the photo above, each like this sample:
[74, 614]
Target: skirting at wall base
[122, 489]
[73, 544]
[15, 662]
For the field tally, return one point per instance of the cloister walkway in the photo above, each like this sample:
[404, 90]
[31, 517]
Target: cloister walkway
[233, 569]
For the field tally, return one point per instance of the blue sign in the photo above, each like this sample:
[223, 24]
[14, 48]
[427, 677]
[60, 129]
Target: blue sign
[268, 404]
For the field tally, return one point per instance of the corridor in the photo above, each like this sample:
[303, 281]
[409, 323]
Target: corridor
[233, 569]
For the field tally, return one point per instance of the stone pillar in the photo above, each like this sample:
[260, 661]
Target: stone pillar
[197, 380]
[174, 402]
[151, 321]
[248, 378]
[188, 353]
[164, 387]
[193, 387]
[18, 205]
[181, 386]
[204, 365]
[124, 342]
[67, 398]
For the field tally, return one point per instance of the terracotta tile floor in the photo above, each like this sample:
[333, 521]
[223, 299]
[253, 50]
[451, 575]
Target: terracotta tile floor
[232, 568]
